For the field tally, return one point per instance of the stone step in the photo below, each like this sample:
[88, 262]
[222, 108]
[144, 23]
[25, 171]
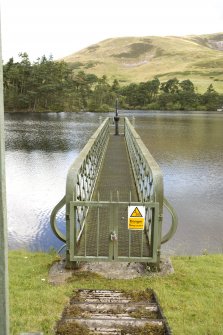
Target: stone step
[104, 312]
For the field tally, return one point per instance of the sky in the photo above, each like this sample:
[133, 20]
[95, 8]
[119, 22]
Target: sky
[62, 27]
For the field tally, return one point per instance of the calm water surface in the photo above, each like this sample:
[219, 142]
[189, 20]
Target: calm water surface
[187, 146]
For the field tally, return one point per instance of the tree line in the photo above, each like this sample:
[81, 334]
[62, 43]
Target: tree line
[48, 85]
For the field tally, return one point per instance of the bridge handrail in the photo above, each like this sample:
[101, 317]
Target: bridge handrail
[81, 179]
[148, 177]
[147, 173]
[174, 222]
[53, 221]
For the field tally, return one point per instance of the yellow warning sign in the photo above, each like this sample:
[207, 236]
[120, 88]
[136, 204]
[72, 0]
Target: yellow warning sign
[136, 213]
[136, 217]
[136, 223]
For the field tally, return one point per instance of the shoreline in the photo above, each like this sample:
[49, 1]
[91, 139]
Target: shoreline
[120, 110]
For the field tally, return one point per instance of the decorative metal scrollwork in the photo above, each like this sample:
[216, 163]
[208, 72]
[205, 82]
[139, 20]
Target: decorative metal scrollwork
[82, 177]
[141, 167]
[149, 181]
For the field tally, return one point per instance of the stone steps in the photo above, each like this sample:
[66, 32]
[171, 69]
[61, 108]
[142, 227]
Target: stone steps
[104, 312]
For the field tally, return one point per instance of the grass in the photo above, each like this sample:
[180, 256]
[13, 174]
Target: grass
[191, 298]
[136, 59]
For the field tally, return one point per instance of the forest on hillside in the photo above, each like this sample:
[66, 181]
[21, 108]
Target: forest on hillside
[47, 85]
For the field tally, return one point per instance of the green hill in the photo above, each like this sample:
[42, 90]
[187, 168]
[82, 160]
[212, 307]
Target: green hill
[135, 59]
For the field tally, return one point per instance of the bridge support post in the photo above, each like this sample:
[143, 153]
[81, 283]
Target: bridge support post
[4, 314]
[71, 239]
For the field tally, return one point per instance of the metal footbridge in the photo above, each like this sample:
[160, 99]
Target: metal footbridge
[114, 200]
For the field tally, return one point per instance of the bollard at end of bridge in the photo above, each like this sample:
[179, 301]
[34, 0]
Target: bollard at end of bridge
[116, 118]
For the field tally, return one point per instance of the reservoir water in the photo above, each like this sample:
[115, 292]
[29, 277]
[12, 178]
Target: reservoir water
[188, 146]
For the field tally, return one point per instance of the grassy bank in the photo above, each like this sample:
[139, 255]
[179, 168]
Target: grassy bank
[192, 298]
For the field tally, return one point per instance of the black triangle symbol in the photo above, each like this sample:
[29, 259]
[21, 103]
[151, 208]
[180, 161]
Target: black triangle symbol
[136, 213]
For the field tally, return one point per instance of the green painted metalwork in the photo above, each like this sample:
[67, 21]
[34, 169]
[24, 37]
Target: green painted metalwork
[149, 181]
[148, 177]
[81, 179]
[96, 230]
[4, 308]
[111, 252]
[174, 223]
[53, 220]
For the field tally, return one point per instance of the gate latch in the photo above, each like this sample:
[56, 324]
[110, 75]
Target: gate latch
[114, 236]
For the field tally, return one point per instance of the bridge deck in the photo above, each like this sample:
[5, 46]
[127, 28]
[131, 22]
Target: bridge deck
[115, 175]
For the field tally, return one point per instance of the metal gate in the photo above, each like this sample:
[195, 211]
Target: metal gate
[104, 234]
[97, 229]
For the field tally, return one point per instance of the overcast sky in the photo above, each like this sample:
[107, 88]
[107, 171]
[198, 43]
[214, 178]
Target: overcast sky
[62, 27]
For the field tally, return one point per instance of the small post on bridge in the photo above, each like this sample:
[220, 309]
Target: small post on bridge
[116, 118]
[4, 306]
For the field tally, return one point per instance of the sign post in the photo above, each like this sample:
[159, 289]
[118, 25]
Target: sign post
[4, 314]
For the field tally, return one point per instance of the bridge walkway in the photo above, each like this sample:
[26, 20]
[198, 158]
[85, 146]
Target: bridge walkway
[115, 182]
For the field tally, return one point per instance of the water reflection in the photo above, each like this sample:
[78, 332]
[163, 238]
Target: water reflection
[187, 146]
[51, 132]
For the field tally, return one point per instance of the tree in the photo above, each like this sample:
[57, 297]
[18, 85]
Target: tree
[171, 86]
[187, 86]
[115, 86]
[211, 99]
[153, 89]
[186, 96]
[130, 94]
[102, 98]
[47, 85]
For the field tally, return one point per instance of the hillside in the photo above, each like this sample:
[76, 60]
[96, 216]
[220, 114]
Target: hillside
[135, 59]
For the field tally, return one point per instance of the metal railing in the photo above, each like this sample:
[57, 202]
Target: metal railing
[80, 185]
[149, 182]
[81, 179]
